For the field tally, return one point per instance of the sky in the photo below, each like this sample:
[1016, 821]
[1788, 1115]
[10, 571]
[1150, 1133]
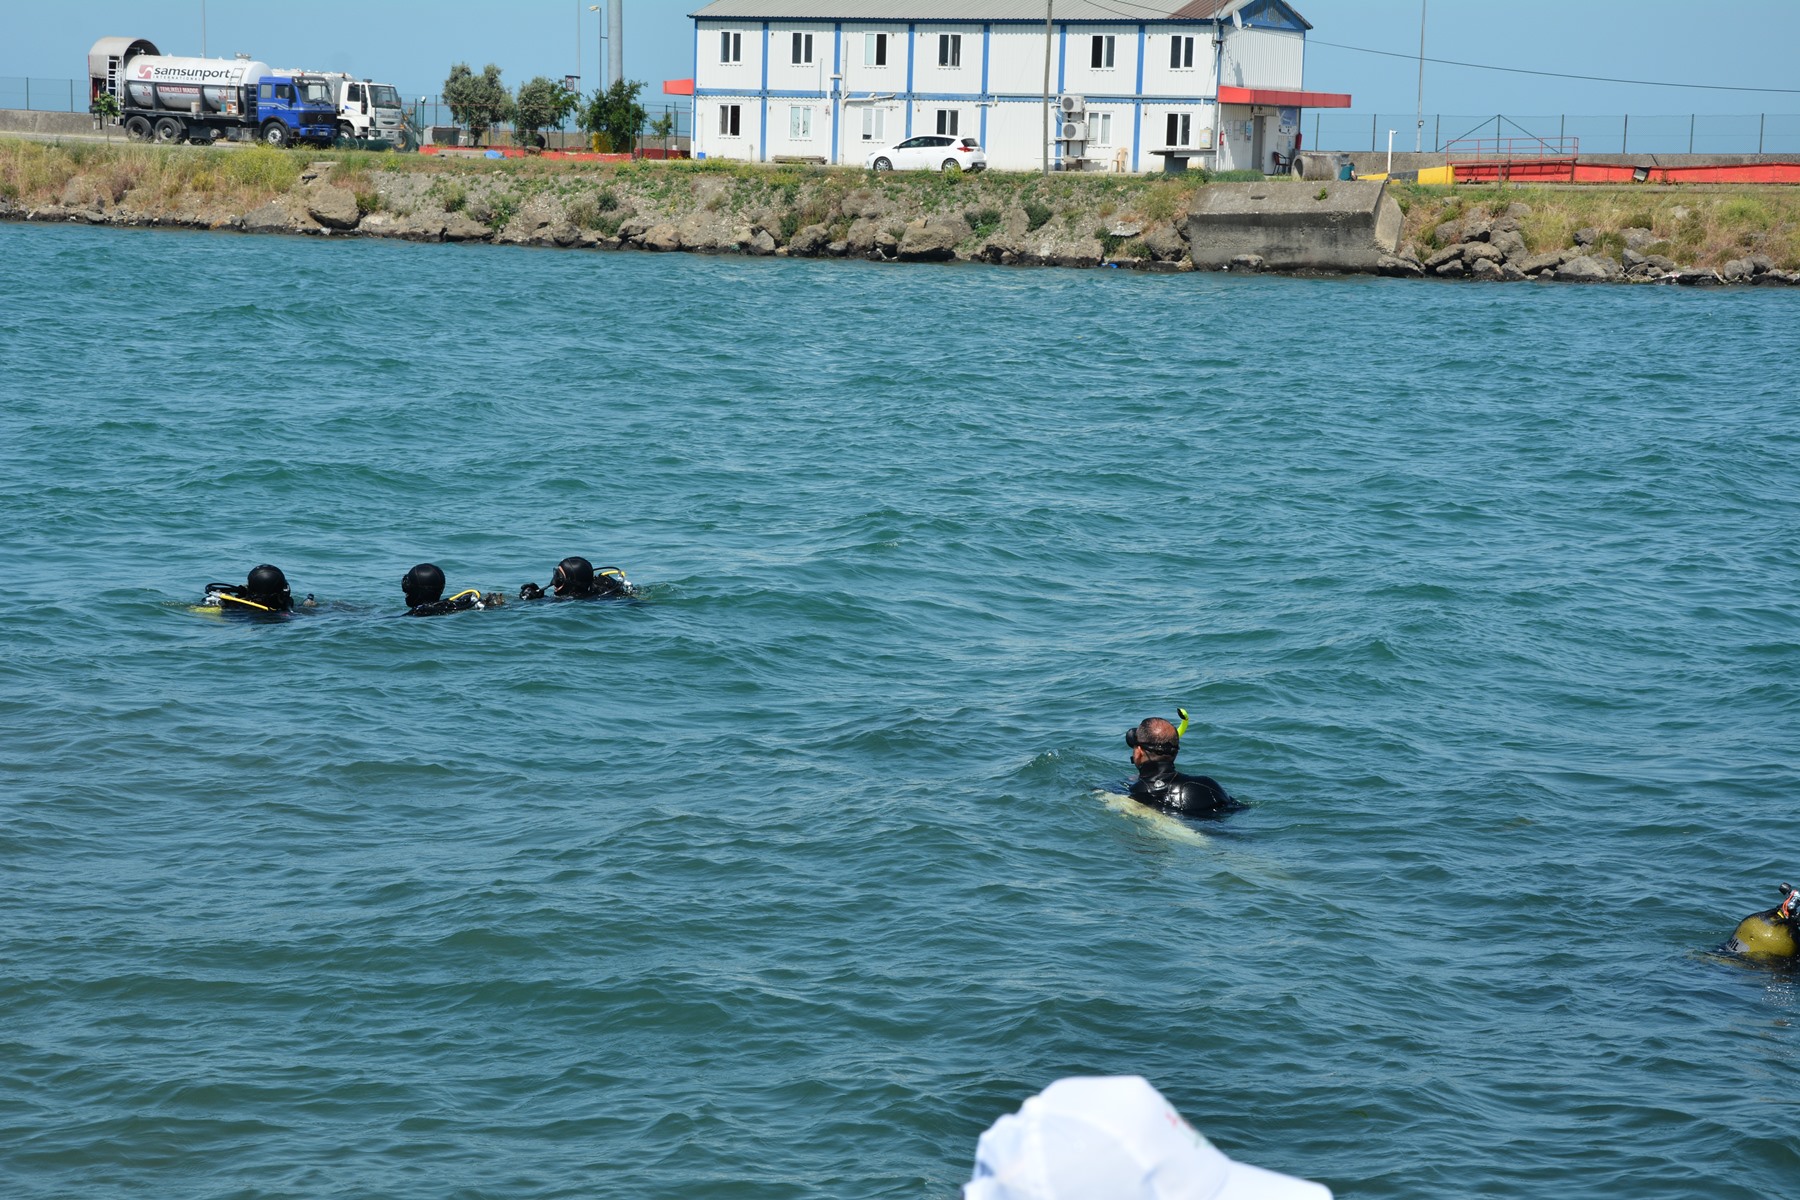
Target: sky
[412, 44]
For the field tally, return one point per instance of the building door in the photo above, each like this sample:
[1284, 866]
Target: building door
[1259, 142]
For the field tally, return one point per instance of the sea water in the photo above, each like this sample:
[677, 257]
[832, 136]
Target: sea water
[789, 878]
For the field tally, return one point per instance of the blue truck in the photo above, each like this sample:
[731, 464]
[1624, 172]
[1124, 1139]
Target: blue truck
[170, 100]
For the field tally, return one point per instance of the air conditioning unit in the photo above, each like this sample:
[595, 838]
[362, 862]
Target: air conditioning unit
[1073, 131]
[1071, 105]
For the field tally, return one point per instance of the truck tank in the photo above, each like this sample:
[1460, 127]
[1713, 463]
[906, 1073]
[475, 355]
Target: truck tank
[188, 85]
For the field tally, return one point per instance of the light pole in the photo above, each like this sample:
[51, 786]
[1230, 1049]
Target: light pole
[578, 46]
[599, 39]
[1419, 130]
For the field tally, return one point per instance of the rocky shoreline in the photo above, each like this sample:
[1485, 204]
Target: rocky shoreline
[1136, 223]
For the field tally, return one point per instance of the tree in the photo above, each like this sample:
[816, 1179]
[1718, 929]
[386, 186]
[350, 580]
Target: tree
[661, 128]
[542, 102]
[615, 114]
[106, 107]
[478, 101]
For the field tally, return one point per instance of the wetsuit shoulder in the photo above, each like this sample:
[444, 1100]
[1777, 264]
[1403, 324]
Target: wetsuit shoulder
[1199, 795]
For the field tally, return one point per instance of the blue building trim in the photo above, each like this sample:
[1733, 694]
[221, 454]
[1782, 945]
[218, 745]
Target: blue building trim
[987, 39]
[762, 135]
[693, 134]
[1137, 105]
[837, 96]
[907, 96]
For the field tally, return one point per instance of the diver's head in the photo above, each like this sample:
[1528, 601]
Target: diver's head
[424, 584]
[574, 577]
[268, 587]
[1154, 740]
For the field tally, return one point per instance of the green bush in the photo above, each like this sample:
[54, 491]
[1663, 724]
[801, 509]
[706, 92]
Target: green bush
[983, 221]
[1036, 214]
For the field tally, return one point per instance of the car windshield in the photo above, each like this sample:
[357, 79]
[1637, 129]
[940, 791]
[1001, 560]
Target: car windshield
[384, 95]
[316, 91]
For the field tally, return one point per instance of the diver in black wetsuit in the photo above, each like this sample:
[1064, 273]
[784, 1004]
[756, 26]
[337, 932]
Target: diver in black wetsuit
[1154, 745]
[424, 588]
[576, 579]
[263, 594]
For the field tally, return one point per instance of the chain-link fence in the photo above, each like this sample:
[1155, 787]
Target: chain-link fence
[1693, 133]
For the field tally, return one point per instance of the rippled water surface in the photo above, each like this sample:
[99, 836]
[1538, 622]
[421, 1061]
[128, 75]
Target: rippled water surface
[787, 880]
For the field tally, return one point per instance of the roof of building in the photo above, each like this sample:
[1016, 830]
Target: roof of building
[985, 10]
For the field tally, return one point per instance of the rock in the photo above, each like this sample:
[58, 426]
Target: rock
[1485, 268]
[1679, 213]
[1512, 274]
[270, 218]
[1452, 270]
[1637, 237]
[1547, 261]
[1165, 243]
[1476, 228]
[860, 240]
[1449, 254]
[1479, 252]
[333, 207]
[1585, 269]
[1448, 234]
[80, 192]
[1125, 229]
[809, 240]
[1737, 270]
[837, 249]
[662, 238]
[931, 240]
[564, 234]
[459, 227]
[1778, 279]
[633, 229]
[1696, 278]
[1586, 236]
[1509, 242]
[761, 243]
[1518, 210]
[1762, 264]
[1246, 262]
[1660, 262]
[1400, 266]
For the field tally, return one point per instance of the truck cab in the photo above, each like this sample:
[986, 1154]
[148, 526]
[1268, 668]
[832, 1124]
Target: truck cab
[371, 111]
[295, 108]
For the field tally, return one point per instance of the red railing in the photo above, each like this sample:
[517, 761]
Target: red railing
[1513, 149]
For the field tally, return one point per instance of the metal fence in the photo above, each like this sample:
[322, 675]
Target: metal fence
[1691, 133]
[71, 95]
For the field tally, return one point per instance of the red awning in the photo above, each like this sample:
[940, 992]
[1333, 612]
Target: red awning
[683, 87]
[1244, 95]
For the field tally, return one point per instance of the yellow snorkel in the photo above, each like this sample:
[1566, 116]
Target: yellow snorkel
[1181, 729]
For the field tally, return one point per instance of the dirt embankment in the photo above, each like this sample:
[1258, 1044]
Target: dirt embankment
[1689, 235]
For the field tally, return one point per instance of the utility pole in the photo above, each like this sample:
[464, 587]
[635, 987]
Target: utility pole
[577, 47]
[202, 28]
[1419, 129]
[1049, 6]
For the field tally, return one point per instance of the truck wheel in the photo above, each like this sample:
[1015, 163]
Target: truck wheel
[274, 133]
[346, 131]
[137, 129]
[405, 140]
[169, 131]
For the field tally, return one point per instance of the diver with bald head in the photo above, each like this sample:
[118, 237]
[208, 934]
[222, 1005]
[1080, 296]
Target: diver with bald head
[264, 593]
[1154, 744]
[576, 579]
[423, 587]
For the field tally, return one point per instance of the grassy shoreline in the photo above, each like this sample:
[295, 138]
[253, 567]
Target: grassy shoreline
[1072, 218]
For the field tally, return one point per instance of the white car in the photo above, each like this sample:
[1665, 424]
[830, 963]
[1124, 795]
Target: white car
[929, 152]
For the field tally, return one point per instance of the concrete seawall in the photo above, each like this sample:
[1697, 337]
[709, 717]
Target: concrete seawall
[1337, 226]
[18, 120]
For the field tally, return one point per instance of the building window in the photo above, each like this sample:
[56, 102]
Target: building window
[731, 46]
[947, 121]
[949, 49]
[1099, 127]
[874, 125]
[729, 116]
[803, 48]
[874, 49]
[1180, 129]
[1103, 50]
[1181, 53]
[800, 123]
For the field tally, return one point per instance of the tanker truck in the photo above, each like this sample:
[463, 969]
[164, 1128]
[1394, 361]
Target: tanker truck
[172, 99]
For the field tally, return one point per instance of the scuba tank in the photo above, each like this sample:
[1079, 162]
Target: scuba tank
[1771, 935]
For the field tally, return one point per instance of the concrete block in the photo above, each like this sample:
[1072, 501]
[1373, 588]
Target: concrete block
[1292, 227]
